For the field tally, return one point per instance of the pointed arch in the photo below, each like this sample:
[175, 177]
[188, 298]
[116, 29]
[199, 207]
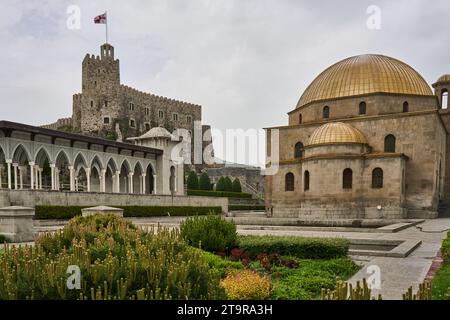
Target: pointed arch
[97, 161]
[112, 165]
[149, 179]
[21, 155]
[62, 156]
[125, 163]
[41, 155]
[80, 158]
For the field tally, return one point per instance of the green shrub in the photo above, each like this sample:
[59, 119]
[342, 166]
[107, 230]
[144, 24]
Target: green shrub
[116, 260]
[205, 182]
[211, 233]
[192, 181]
[219, 264]
[69, 212]
[302, 248]
[246, 208]
[2, 239]
[219, 194]
[247, 285]
[58, 212]
[237, 185]
[228, 184]
[220, 186]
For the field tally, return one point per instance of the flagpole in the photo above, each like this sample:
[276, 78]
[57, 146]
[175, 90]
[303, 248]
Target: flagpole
[106, 26]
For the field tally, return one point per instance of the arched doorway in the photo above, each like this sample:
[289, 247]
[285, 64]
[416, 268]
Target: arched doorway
[43, 162]
[21, 170]
[149, 180]
[111, 170]
[96, 174]
[62, 173]
[80, 167]
[137, 179]
[125, 177]
[172, 180]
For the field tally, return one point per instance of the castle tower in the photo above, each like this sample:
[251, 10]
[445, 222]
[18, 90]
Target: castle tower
[441, 90]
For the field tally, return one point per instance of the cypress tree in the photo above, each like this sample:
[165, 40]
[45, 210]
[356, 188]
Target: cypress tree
[204, 183]
[192, 181]
[237, 185]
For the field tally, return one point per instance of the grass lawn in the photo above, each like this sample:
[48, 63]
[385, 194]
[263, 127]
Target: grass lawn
[307, 281]
[441, 282]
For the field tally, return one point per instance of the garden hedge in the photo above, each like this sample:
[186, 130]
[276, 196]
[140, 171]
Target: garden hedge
[69, 212]
[246, 208]
[219, 194]
[302, 248]
[2, 239]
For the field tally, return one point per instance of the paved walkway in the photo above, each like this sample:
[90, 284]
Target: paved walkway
[396, 274]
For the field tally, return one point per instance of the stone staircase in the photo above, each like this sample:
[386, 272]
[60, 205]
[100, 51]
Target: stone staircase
[444, 208]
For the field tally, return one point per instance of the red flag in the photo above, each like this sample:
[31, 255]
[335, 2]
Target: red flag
[101, 19]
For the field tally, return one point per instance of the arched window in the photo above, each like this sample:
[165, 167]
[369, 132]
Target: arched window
[298, 150]
[362, 108]
[444, 99]
[300, 120]
[389, 144]
[347, 179]
[306, 181]
[289, 182]
[405, 106]
[326, 112]
[377, 178]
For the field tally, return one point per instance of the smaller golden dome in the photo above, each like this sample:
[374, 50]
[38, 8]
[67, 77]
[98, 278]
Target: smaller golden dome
[337, 132]
[444, 78]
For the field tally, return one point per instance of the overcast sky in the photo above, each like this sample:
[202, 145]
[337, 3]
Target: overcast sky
[246, 62]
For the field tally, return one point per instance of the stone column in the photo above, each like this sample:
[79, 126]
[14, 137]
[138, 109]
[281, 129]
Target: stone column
[15, 165]
[57, 186]
[72, 178]
[36, 177]
[40, 170]
[117, 181]
[131, 183]
[8, 164]
[31, 175]
[103, 181]
[88, 179]
[21, 171]
[143, 183]
[154, 183]
[52, 168]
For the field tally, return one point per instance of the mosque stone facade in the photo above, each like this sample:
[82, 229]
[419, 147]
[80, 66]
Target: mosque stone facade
[368, 139]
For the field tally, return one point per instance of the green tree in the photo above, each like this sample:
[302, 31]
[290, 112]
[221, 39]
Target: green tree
[228, 185]
[192, 181]
[204, 183]
[237, 185]
[220, 184]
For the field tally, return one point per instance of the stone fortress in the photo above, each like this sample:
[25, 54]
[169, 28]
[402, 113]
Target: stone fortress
[368, 139]
[106, 108]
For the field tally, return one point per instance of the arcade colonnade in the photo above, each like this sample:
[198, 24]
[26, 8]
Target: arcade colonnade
[43, 161]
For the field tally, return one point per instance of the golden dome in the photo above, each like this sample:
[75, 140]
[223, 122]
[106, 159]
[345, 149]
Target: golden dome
[336, 132]
[365, 74]
[444, 78]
